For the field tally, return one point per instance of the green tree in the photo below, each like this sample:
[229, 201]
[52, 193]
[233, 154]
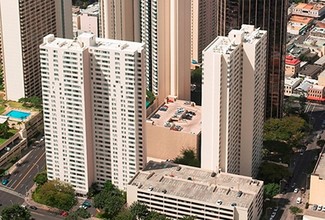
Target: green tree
[15, 212]
[291, 129]
[4, 130]
[139, 210]
[83, 213]
[34, 101]
[125, 215]
[272, 173]
[55, 194]
[110, 199]
[271, 189]
[189, 158]
[196, 76]
[295, 210]
[156, 216]
[93, 190]
[320, 143]
[40, 178]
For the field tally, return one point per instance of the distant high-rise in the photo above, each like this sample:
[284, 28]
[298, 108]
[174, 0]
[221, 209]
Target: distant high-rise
[269, 15]
[166, 31]
[203, 31]
[24, 23]
[94, 110]
[233, 101]
[120, 19]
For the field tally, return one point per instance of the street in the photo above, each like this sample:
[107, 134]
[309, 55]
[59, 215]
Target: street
[303, 164]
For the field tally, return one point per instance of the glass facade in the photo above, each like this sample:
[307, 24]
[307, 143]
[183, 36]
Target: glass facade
[270, 15]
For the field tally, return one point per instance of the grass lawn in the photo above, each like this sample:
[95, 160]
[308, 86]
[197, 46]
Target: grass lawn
[15, 104]
[10, 134]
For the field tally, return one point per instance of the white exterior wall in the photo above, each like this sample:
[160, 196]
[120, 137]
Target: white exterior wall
[89, 23]
[67, 116]
[233, 102]
[11, 49]
[93, 94]
[120, 90]
[253, 106]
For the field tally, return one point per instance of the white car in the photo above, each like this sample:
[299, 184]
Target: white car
[273, 214]
[298, 200]
[296, 190]
[323, 208]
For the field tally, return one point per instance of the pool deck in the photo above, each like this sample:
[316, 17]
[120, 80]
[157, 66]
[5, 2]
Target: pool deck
[9, 109]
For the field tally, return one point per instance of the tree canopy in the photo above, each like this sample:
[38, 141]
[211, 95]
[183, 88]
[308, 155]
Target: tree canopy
[40, 178]
[271, 189]
[272, 173]
[295, 210]
[189, 158]
[15, 212]
[289, 129]
[56, 194]
[34, 102]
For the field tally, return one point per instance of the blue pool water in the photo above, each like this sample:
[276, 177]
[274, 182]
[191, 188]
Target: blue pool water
[18, 114]
[147, 103]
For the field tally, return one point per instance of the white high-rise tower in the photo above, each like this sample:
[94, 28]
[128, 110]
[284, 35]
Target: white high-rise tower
[233, 100]
[94, 109]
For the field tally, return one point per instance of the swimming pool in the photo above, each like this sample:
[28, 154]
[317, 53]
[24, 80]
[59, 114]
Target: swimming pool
[18, 114]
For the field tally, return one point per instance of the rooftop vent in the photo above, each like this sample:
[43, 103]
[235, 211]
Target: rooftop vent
[189, 178]
[178, 168]
[219, 202]
[233, 204]
[164, 191]
[150, 188]
[239, 193]
[213, 174]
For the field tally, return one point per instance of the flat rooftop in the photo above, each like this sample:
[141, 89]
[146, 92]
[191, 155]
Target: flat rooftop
[92, 9]
[197, 184]
[89, 40]
[320, 166]
[291, 81]
[177, 113]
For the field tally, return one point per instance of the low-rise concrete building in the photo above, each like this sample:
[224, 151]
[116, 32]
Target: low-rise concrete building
[172, 128]
[316, 93]
[177, 191]
[317, 182]
[313, 9]
[302, 89]
[292, 66]
[298, 24]
[321, 79]
[290, 84]
[310, 71]
[320, 62]
[86, 20]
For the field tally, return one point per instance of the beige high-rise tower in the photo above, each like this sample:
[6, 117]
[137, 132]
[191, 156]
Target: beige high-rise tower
[24, 23]
[120, 19]
[203, 26]
[166, 31]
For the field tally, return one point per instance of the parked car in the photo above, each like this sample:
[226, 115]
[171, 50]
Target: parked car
[315, 207]
[298, 200]
[5, 182]
[296, 190]
[64, 213]
[319, 208]
[33, 207]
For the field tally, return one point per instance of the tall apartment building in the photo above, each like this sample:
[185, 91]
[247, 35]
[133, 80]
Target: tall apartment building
[166, 32]
[24, 23]
[272, 17]
[120, 19]
[93, 103]
[203, 23]
[233, 101]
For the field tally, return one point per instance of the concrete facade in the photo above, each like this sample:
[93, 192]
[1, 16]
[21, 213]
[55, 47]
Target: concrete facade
[233, 102]
[98, 133]
[166, 31]
[200, 193]
[168, 135]
[317, 182]
[23, 25]
[119, 19]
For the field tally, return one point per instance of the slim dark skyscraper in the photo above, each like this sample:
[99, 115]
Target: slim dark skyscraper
[270, 15]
